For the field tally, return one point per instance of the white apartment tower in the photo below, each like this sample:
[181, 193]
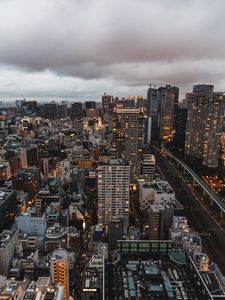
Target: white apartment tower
[113, 192]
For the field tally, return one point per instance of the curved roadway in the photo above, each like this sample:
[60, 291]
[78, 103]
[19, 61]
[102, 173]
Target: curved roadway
[203, 185]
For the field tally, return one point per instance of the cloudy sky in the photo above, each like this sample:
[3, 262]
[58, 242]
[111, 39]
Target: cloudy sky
[80, 49]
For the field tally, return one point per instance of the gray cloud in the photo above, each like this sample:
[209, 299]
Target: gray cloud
[82, 47]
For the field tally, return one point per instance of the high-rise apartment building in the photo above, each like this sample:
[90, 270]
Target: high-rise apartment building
[59, 267]
[128, 137]
[205, 116]
[113, 192]
[162, 103]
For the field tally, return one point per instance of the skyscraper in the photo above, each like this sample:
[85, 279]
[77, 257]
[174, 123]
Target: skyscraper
[107, 104]
[59, 267]
[162, 104]
[128, 137]
[205, 115]
[113, 192]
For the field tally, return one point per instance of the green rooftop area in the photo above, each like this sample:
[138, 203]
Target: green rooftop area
[179, 257]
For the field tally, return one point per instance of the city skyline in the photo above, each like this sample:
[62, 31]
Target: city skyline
[79, 50]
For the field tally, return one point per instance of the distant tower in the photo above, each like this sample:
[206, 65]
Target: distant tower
[163, 104]
[59, 266]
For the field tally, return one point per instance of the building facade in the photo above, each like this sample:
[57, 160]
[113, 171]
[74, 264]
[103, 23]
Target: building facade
[204, 122]
[162, 107]
[128, 137]
[113, 192]
[59, 267]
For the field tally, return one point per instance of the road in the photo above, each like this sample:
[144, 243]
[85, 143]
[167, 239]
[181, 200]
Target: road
[219, 202]
[199, 218]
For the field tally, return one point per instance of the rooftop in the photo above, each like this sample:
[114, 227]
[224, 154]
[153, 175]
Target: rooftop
[5, 237]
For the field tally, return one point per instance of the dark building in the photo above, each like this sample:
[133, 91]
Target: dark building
[160, 220]
[32, 155]
[162, 102]
[28, 180]
[62, 111]
[76, 110]
[91, 285]
[15, 164]
[29, 107]
[115, 232]
[180, 124]
[129, 102]
[90, 105]
[51, 110]
[8, 206]
[142, 103]
[107, 104]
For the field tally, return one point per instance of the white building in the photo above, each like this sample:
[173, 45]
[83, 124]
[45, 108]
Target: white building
[157, 192]
[31, 223]
[113, 192]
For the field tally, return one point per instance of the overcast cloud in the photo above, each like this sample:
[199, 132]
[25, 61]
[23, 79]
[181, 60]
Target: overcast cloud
[82, 48]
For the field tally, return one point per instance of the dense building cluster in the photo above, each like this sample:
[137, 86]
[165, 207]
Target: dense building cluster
[86, 212]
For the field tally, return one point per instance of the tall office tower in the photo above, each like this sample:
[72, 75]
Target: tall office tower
[113, 192]
[128, 137]
[161, 110]
[62, 110]
[76, 110]
[51, 110]
[205, 116]
[107, 104]
[160, 220]
[59, 267]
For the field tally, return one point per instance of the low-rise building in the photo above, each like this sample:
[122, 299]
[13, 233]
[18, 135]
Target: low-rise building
[8, 240]
[31, 223]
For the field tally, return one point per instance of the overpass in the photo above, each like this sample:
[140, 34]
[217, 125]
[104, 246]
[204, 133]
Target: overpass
[211, 194]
